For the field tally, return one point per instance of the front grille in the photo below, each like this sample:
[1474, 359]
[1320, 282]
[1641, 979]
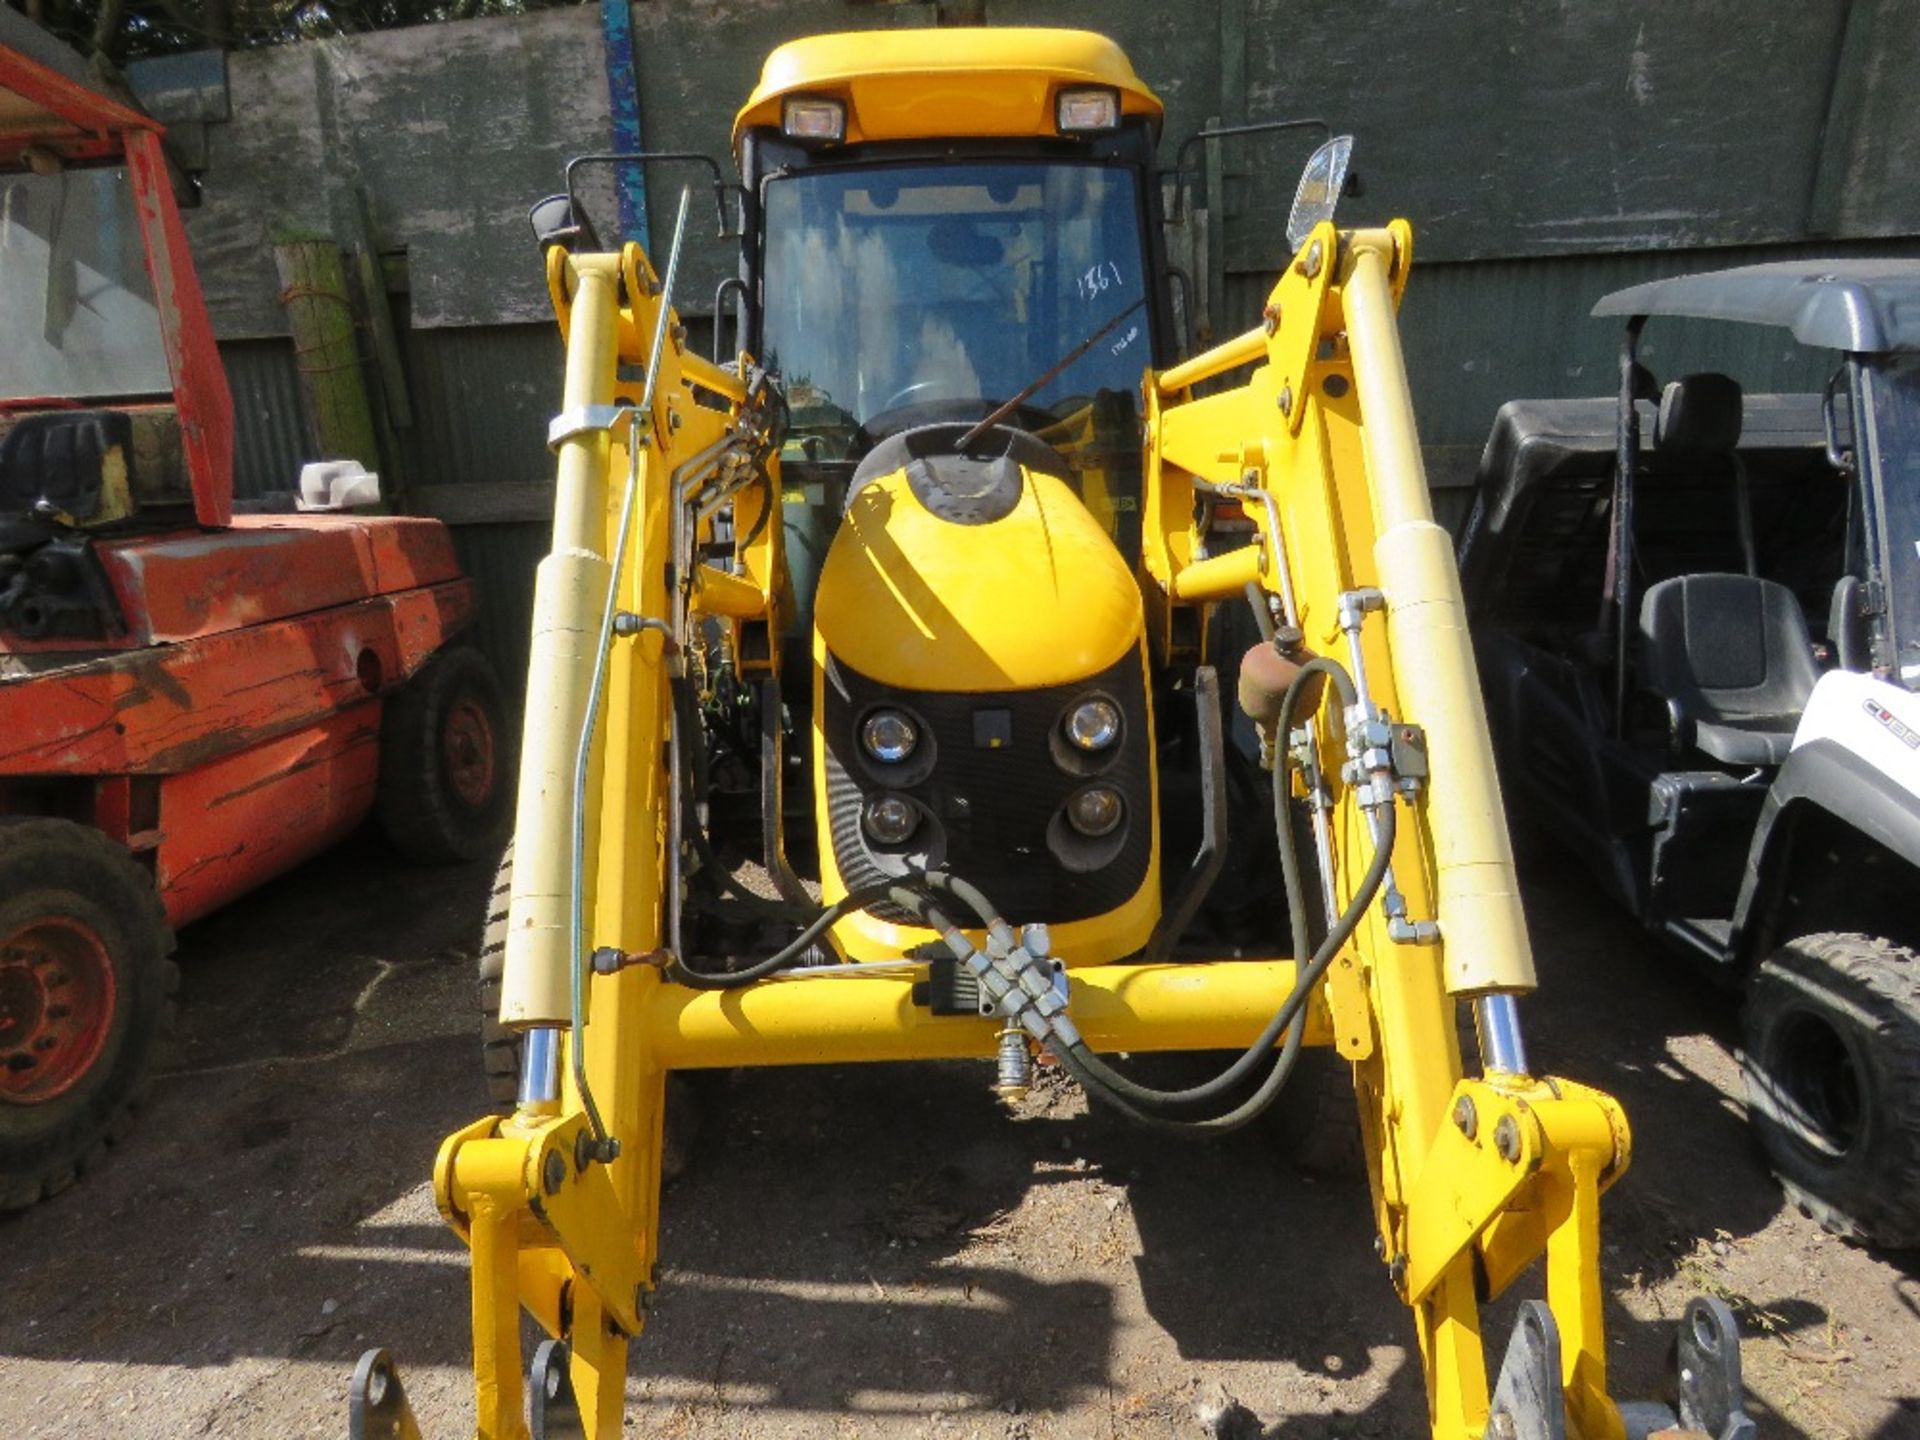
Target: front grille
[987, 810]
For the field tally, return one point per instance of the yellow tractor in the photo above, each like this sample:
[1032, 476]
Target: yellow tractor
[953, 522]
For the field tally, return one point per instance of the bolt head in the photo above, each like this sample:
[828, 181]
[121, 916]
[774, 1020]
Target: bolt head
[1506, 1139]
[553, 1172]
[1286, 401]
[1466, 1117]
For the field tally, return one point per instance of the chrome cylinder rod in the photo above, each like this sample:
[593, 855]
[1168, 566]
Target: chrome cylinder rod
[1497, 1020]
[540, 1069]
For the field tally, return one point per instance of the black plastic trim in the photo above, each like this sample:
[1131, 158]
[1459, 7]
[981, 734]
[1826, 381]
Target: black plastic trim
[1830, 777]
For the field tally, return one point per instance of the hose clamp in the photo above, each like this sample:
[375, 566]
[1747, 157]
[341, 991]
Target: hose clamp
[580, 420]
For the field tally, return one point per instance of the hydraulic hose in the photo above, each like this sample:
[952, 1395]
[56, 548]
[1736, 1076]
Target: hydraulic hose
[1292, 1009]
[1147, 1106]
[905, 892]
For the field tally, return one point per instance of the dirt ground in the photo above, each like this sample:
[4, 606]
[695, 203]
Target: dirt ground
[876, 1252]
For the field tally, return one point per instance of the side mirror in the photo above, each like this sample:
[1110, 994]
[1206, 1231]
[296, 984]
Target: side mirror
[553, 222]
[1322, 183]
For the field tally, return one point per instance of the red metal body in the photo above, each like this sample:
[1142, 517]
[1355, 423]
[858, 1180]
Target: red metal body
[237, 732]
[227, 726]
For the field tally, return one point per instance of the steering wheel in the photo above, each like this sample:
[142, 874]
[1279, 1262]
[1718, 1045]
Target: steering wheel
[905, 396]
[894, 419]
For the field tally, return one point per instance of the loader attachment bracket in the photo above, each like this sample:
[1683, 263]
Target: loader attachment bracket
[1529, 1400]
[555, 1413]
[377, 1406]
[1530, 1397]
[1711, 1393]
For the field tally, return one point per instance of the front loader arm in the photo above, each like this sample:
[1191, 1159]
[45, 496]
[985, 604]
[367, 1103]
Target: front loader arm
[1473, 1178]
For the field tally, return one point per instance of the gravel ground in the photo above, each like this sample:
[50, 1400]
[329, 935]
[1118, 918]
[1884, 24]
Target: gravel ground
[859, 1252]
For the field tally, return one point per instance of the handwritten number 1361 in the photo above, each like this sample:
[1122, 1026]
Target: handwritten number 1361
[1098, 279]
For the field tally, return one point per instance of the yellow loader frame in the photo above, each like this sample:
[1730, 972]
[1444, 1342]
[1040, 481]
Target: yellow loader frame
[1473, 1177]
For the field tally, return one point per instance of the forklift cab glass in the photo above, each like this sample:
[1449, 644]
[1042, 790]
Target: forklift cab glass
[1890, 441]
[76, 303]
[907, 295]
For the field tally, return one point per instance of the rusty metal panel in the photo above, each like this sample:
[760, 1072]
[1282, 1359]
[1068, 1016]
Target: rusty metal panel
[500, 560]
[482, 397]
[270, 428]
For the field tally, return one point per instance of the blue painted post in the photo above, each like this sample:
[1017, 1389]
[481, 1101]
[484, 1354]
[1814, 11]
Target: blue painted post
[623, 102]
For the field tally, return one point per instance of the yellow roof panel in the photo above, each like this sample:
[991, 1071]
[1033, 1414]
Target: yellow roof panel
[919, 84]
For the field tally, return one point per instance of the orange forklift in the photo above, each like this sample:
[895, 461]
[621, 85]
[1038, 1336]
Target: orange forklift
[191, 701]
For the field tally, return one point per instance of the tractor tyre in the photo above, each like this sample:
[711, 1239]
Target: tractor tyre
[1832, 1067]
[500, 1047]
[443, 795]
[1315, 1120]
[86, 995]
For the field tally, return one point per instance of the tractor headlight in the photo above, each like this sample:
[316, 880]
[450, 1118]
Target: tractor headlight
[1089, 111]
[1095, 811]
[1093, 724]
[889, 736]
[890, 819]
[813, 117]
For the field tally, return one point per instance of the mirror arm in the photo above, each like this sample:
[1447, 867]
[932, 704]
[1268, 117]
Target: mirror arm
[721, 187]
[732, 285]
[1183, 167]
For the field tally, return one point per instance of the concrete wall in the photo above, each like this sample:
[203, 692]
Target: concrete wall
[1547, 151]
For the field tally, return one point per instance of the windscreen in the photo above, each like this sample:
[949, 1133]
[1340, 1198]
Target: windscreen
[1892, 435]
[903, 293]
[76, 304]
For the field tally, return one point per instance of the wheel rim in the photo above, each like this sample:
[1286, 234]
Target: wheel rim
[466, 741]
[57, 1000]
[1820, 1081]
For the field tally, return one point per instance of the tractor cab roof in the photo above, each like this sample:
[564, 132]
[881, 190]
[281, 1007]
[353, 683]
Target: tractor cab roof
[1859, 306]
[932, 84]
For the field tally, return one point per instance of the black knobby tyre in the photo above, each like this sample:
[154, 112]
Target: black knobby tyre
[1832, 1068]
[443, 794]
[86, 995]
[1315, 1120]
[499, 1046]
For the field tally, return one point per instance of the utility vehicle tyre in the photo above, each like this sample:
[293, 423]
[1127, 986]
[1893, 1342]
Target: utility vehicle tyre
[1315, 1121]
[500, 1046]
[86, 995]
[443, 794]
[1832, 1068]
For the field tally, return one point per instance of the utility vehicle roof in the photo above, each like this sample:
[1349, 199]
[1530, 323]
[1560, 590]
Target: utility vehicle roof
[1534, 441]
[922, 84]
[1861, 306]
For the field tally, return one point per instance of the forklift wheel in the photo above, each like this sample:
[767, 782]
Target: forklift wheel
[86, 991]
[443, 794]
[1833, 1082]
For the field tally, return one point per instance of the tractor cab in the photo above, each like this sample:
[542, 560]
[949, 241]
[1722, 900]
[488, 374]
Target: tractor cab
[114, 413]
[922, 259]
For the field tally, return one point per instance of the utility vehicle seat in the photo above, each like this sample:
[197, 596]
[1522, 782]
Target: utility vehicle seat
[1732, 654]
